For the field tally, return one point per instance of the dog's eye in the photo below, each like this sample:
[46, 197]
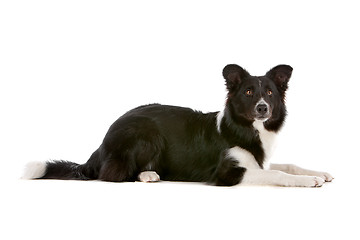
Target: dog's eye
[269, 92]
[249, 92]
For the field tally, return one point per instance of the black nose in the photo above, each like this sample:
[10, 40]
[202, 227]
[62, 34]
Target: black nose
[262, 109]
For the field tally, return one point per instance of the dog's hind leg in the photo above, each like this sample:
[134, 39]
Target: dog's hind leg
[133, 147]
[138, 162]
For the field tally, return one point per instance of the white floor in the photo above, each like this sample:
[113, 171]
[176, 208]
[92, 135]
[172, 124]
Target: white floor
[53, 209]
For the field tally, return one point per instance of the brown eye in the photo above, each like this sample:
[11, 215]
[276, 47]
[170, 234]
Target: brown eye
[269, 92]
[248, 92]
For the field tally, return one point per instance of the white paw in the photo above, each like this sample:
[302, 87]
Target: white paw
[307, 181]
[326, 176]
[149, 176]
[318, 181]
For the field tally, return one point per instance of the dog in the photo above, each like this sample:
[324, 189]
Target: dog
[170, 143]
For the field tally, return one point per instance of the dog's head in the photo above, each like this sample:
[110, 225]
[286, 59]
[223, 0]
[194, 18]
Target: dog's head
[253, 98]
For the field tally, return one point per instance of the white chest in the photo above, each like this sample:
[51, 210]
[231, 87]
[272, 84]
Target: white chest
[246, 159]
[268, 140]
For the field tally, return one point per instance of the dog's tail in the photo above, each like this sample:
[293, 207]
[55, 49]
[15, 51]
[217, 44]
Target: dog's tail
[58, 169]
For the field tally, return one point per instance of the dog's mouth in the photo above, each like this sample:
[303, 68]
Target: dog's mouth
[261, 119]
[258, 117]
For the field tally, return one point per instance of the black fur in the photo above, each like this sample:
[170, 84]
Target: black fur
[185, 145]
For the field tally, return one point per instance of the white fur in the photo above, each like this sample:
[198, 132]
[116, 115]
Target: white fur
[268, 140]
[244, 157]
[280, 174]
[262, 101]
[34, 170]
[293, 169]
[219, 118]
[278, 178]
[149, 176]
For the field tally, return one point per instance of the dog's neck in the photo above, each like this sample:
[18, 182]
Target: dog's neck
[244, 136]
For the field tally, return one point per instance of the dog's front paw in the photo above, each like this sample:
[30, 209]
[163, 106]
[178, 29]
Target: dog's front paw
[318, 181]
[314, 182]
[307, 181]
[327, 177]
[324, 175]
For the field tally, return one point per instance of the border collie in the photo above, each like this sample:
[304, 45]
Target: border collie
[225, 148]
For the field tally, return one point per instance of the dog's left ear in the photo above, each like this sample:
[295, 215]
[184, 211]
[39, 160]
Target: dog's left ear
[280, 75]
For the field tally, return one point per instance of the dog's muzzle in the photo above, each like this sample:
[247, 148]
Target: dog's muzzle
[262, 111]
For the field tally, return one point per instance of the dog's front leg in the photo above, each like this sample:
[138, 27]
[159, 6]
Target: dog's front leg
[279, 178]
[293, 169]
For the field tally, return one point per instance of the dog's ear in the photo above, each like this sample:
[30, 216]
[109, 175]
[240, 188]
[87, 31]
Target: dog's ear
[280, 75]
[233, 75]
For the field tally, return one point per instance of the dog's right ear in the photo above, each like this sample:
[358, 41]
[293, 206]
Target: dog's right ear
[233, 75]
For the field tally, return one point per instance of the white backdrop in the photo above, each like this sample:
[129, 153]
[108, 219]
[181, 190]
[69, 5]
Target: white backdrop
[68, 69]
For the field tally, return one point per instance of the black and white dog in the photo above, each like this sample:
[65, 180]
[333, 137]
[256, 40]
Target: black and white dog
[178, 144]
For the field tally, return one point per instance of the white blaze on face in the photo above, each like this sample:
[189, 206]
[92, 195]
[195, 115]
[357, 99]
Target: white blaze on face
[262, 101]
